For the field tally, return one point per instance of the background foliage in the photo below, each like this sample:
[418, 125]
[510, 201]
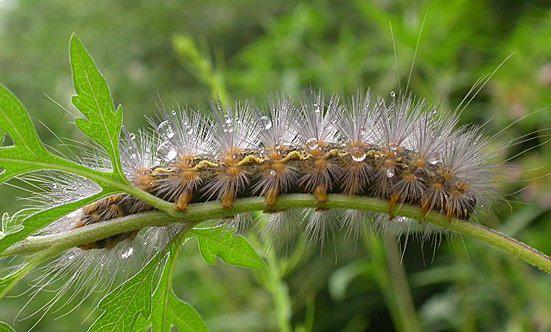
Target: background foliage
[182, 51]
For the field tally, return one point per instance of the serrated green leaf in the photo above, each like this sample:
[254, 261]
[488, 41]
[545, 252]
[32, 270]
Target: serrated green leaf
[5, 327]
[184, 316]
[122, 307]
[41, 219]
[142, 324]
[103, 122]
[169, 310]
[231, 248]
[160, 317]
[27, 152]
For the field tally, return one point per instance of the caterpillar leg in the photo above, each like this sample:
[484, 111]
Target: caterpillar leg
[271, 196]
[228, 197]
[394, 199]
[183, 200]
[320, 192]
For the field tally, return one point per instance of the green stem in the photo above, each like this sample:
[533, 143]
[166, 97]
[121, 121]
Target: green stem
[280, 293]
[399, 285]
[272, 279]
[212, 210]
[382, 276]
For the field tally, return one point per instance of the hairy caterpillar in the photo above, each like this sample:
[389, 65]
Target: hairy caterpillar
[400, 150]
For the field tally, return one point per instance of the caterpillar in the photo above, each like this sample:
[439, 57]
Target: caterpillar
[400, 150]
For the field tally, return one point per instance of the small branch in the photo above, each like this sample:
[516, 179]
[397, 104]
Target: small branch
[197, 213]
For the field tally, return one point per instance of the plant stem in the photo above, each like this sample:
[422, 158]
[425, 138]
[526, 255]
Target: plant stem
[272, 279]
[391, 278]
[399, 285]
[280, 293]
[212, 210]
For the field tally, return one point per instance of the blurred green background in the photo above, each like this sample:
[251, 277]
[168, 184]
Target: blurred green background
[183, 51]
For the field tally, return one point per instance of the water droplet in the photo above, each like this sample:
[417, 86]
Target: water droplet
[359, 157]
[400, 220]
[127, 253]
[389, 172]
[166, 152]
[392, 94]
[316, 108]
[312, 143]
[165, 129]
[266, 122]
[273, 173]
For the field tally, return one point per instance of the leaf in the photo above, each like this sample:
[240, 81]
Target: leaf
[5, 327]
[141, 324]
[27, 152]
[122, 307]
[160, 317]
[169, 310]
[103, 122]
[231, 248]
[41, 219]
[184, 316]
[128, 308]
